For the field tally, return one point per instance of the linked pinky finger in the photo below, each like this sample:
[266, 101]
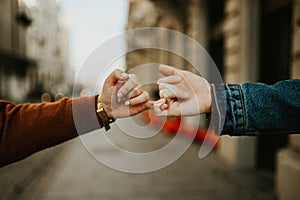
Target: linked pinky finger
[158, 111]
[142, 98]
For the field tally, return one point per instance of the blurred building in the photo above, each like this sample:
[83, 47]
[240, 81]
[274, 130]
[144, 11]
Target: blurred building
[33, 49]
[249, 40]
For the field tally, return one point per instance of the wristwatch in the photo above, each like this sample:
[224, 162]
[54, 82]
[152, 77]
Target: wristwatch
[103, 116]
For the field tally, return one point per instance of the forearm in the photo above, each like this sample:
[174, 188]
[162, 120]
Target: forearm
[256, 108]
[28, 128]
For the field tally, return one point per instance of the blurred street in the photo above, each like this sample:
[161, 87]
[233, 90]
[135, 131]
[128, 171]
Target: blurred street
[68, 171]
[45, 44]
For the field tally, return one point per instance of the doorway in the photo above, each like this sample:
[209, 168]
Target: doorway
[275, 59]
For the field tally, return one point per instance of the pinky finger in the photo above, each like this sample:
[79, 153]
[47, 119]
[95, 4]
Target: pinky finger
[142, 98]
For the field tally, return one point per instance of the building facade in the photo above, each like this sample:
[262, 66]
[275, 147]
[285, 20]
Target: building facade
[250, 41]
[34, 32]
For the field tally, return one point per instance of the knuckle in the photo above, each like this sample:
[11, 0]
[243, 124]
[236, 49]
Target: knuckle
[117, 71]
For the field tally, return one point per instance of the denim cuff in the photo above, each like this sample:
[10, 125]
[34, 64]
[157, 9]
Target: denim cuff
[257, 108]
[235, 109]
[229, 105]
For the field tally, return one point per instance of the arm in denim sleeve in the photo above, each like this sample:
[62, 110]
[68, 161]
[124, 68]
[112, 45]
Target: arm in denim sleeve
[257, 108]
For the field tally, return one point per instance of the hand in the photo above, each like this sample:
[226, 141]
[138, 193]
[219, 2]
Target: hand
[122, 95]
[182, 93]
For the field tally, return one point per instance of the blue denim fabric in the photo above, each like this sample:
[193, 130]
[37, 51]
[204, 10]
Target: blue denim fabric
[257, 108]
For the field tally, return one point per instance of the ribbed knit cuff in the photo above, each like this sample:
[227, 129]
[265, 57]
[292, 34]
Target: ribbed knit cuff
[84, 114]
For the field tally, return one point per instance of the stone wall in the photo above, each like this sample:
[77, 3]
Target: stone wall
[32, 31]
[240, 30]
[288, 159]
[147, 13]
[232, 32]
[47, 41]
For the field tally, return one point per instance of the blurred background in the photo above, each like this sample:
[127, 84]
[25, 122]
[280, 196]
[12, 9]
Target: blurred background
[43, 44]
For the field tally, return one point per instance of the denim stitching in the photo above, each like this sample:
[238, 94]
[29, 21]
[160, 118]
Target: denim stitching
[243, 106]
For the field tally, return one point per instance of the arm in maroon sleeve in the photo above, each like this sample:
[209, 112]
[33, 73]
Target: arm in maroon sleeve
[28, 128]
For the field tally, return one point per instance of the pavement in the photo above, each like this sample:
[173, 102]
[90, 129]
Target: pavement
[68, 171]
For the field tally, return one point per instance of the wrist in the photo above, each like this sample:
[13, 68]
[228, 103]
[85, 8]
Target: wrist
[210, 99]
[106, 106]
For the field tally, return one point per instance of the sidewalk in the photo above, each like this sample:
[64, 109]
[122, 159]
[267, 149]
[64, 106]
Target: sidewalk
[70, 172]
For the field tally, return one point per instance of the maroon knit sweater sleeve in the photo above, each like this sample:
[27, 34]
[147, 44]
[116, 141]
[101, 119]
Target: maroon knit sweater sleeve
[28, 128]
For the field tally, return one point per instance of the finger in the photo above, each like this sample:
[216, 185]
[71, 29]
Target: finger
[174, 109]
[150, 104]
[157, 106]
[138, 108]
[159, 102]
[135, 92]
[172, 91]
[160, 107]
[168, 70]
[166, 94]
[144, 97]
[158, 111]
[119, 84]
[173, 79]
[129, 85]
[114, 94]
[115, 76]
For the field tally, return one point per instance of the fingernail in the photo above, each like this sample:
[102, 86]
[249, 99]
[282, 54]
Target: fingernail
[127, 103]
[119, 95]
[178, 78]
[164, 107]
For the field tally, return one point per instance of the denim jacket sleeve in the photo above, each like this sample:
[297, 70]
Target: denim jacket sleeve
[257, 108]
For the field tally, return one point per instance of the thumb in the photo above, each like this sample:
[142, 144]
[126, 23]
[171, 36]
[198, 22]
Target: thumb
[168, 70]
[150, 104]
